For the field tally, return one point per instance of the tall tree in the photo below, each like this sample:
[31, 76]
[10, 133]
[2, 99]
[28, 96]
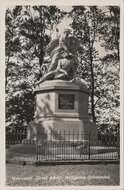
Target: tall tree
[94, 27]
[28, 31]
[85, 26]
[109, 37]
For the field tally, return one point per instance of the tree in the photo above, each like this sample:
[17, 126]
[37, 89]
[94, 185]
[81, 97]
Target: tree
[109, 36]
[38, 26]
[28, 31]
[94, 26]
[107, 108]
[85, 26]
[109, 32]
[12, 43]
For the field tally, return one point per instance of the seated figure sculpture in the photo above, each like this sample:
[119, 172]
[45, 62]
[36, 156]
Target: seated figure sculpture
[62, 56]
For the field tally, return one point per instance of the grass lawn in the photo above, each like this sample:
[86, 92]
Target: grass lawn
[76, 175]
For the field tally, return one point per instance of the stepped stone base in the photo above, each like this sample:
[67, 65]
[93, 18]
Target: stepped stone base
[61, 116]
[61, 107]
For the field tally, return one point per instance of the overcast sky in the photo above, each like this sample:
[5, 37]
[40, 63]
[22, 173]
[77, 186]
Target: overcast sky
[65, 22]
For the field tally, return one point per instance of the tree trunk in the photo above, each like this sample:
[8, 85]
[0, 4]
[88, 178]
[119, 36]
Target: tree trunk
[41, 37]
[92, 84]
[41, 56]
[92, 73]
[118, 51]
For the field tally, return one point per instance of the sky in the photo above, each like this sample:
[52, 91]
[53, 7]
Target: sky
[65, 22]
[61, 26]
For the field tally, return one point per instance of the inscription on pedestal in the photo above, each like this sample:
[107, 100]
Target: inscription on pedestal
[66, 101]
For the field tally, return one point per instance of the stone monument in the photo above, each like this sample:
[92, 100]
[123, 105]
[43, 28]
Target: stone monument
[61, 100]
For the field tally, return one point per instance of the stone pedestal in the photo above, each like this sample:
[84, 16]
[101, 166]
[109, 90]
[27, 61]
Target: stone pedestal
[61, 109]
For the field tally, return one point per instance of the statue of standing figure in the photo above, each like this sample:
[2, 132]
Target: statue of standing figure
[62, 58]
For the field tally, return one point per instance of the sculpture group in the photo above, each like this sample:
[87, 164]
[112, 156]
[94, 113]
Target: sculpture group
[60, 60]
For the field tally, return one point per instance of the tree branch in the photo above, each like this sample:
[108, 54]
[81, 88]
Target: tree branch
[97, 101]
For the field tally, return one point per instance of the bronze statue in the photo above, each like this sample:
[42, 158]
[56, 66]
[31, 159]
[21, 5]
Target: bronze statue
[62, 58]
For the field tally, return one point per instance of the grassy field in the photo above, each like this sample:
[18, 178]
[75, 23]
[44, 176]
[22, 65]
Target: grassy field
[76, 175]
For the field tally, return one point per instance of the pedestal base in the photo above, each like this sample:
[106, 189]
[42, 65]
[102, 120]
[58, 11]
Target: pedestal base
[61, 112]
[62, 129]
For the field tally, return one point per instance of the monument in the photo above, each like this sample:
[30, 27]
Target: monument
[61, 100]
